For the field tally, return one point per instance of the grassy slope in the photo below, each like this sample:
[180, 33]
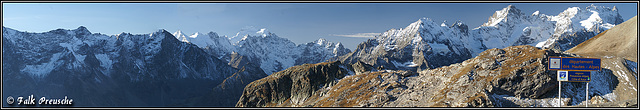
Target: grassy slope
[620, 41]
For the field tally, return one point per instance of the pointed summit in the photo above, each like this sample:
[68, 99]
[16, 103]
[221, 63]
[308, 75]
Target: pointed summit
[536, 13]
[177, 33]
[211, 33]
[503, 15]
[426, 20]
[422, 22]
[510, 10]
[444, 23]
[82, 30]
[180, 36]
[459, 25]
[162, 31]
[320, 41]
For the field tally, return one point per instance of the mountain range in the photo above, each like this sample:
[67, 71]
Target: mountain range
[271, 52]
[426, 44]
[90, 66]
[499, 64]
[426, 64]
[514, 76]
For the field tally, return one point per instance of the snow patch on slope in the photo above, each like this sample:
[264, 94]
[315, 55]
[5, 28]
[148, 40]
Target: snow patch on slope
[200, 40]
[43, 69]
[72, 47]
[405, 64]
[105, 62]
[248, 31]
[439, 48]
[590, 22]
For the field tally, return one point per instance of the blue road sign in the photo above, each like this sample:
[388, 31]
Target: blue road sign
[579, 76]
[574, 63]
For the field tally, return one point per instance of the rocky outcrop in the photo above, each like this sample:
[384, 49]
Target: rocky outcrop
[291, 86]
[361, 67]
[513, 71]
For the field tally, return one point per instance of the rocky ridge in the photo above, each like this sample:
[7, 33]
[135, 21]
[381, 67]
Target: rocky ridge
[515, 76]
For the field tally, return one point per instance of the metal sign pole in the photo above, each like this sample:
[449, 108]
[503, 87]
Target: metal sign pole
[587, 99]
[559, 92]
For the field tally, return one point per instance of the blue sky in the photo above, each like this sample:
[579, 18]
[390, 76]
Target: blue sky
[299, 22]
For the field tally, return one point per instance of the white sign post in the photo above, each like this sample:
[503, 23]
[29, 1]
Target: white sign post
[559, 92]
[586, 104]
[562, 76]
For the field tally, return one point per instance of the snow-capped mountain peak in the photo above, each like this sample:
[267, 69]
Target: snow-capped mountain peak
[249, 31]
[202, 40]
[177, 33]
[180, 36]
[506, 27]
[460, 25]
[536, 13]
[444, 23]
[503, 15]
[195, 35]
[586, 22]
[320, 41]
[263, 32]
[270, 52]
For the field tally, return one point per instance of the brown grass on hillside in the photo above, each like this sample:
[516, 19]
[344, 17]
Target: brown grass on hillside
[621, 40]
[516, 55]
[350, 91]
